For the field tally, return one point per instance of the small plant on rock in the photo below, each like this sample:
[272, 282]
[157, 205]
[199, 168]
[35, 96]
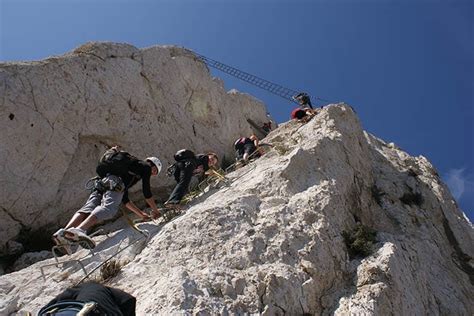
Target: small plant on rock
[359, 241]
[110, 269]
[281, 149]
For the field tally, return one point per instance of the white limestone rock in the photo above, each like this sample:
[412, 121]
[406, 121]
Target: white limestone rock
[270, 241]
[14, 248]
[59, 114]
[28, 258]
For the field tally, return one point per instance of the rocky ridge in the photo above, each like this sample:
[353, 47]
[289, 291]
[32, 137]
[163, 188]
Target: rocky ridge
[271, 240]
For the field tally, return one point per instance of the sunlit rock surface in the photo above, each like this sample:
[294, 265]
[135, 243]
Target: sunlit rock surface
[59, 114]
[270, 241]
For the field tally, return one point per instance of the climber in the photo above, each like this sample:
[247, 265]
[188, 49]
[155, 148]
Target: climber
[91, 298]
[246, 147]
[267, 127]
[302, 115]
[188, 164]
[117, 172]
[303, 100]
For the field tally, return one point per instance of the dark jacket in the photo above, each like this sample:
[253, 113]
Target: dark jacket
[202, 160]
[138, 170]
[129, 168]
[110, 301]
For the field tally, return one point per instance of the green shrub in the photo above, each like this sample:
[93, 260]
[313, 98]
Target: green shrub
[359, 241]
[110, 269]
[281, 149]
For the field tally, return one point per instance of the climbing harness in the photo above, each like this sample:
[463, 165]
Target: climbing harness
[103, 185]
[70, 308]
[170, 170]
[92, 183]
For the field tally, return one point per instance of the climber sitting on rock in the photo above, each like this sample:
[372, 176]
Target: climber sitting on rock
[302, 115]
[117, 172]
[246, 147]
[188, 164]
[305, 111]
[91, 298]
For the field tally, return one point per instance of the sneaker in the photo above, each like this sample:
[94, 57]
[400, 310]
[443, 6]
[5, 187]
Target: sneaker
[58, 237]
[78, 235]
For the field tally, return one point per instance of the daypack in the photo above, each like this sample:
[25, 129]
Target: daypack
[239, 143]
[116, 162]
[298, 114]
[184, 154]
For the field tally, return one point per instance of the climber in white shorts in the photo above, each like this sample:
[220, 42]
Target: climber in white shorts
[117, 172]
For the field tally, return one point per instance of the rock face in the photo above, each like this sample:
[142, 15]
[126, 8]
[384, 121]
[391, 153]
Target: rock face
[58, 115]
[28, 258]
[270, 240]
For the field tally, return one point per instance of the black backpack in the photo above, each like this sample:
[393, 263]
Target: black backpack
[116, 162]
[184, 154]
[239, 143]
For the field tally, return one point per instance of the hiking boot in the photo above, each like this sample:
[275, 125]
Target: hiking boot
[58, 237]
[78, 235]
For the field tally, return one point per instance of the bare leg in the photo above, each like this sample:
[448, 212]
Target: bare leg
[77, 219]
[246, 156]
[88, 223]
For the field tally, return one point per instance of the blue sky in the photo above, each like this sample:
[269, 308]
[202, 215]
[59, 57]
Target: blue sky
[407, 67]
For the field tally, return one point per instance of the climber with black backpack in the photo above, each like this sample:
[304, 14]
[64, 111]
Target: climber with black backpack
[188, 164]
[91, 299]
[117, 171]
[246, 147]
[305, 111]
